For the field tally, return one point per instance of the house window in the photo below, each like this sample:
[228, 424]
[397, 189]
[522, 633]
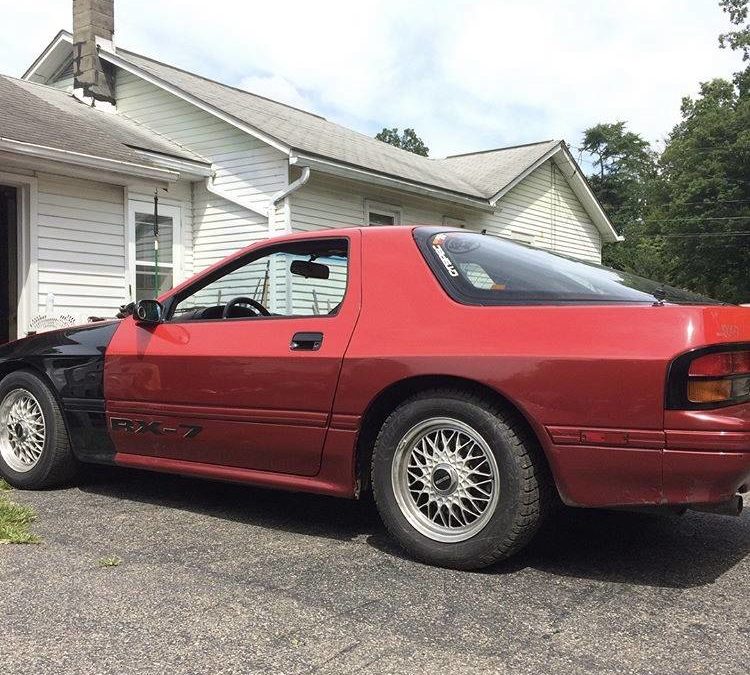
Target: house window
[154, 251]
[382, 214]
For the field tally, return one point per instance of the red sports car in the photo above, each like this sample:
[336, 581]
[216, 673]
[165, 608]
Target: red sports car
[465, 379]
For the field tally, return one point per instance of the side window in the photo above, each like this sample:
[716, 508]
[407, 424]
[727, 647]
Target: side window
[306, 278]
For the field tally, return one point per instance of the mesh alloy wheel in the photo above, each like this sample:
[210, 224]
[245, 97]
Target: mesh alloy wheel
[22, 430]
[445, 479]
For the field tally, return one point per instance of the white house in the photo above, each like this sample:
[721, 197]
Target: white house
[92, 133]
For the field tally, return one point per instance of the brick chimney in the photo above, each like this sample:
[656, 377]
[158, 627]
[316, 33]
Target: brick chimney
[93, 20]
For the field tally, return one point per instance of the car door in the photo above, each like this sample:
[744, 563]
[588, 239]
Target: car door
[215, 383]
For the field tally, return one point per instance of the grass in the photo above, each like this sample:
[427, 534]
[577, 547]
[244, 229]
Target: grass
[15, 520]
[110, 561]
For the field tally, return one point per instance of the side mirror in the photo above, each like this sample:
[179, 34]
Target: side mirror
[148, 311]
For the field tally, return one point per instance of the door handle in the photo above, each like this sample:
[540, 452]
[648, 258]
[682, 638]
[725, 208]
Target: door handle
[310, 342]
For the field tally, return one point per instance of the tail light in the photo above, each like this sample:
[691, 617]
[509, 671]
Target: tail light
[709, 378]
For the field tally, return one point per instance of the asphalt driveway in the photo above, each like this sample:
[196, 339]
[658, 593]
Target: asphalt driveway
[225, 579]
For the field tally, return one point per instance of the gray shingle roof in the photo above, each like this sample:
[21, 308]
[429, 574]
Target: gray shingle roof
[492, 170]
[42, 115]
[479, 175]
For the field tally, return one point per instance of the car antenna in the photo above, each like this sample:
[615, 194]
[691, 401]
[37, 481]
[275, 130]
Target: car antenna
[484, 231]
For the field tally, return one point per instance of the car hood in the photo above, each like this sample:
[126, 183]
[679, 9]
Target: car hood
[63, 341]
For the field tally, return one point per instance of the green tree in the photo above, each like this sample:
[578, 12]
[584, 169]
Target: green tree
[702, 207]
[686, 213]
[408, 140]
[739, 38]
[624, 173]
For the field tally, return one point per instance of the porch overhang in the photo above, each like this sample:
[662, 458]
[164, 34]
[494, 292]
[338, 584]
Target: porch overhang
[89, 161]
[162, 170]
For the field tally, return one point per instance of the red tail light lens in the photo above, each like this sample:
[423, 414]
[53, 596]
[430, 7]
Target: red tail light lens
[721, 364]
[721, 377]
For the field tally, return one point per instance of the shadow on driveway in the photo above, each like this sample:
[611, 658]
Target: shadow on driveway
[304, 514]
[664, 551]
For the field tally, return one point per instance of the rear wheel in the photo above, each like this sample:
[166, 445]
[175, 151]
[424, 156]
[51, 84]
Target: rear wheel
[458, 481]
[34, 446]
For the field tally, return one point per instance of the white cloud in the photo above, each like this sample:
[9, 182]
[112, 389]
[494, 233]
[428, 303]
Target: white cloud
[278, 89]
[466, 75]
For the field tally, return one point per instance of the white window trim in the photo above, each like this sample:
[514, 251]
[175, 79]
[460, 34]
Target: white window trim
[165, 209]
[27, 244]
[382, 209]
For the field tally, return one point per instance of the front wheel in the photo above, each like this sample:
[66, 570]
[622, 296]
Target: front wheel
[34, 446]
[458, 481]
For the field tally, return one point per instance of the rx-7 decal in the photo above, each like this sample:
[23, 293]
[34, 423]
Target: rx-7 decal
[154, 427]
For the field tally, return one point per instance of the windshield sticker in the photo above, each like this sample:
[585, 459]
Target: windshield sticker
[445, 260]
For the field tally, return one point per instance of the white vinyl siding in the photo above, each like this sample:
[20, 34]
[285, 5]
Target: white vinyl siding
[541, 210]
[246, 168]
[327, 202]
[221, 227]
[81, 247]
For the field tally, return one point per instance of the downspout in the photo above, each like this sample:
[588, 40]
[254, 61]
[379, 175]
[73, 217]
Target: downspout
[283, 194]
[293, 187]
[276, 199]
[267, 213]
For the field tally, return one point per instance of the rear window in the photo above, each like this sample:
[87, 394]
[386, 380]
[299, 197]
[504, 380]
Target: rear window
[487, 270]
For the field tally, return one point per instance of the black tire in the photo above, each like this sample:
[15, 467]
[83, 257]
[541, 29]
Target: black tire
[522, 479]
[57, 464]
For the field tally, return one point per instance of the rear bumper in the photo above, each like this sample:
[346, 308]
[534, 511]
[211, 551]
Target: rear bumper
[693, 477]
[681, 468]
[705, 466]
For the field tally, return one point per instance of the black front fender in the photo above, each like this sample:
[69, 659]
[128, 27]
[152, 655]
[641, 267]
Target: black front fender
[71, 360]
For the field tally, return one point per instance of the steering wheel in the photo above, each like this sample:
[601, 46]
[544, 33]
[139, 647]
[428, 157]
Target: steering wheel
[242, 300]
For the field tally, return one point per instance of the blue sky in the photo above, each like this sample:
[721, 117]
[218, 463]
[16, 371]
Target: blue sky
[467, 75]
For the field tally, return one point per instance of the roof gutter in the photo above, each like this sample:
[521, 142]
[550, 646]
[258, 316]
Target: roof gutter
[88, 161]
[346, 171]
[181, 165]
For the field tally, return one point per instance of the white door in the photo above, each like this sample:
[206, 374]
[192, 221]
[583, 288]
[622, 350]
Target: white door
[154, 252]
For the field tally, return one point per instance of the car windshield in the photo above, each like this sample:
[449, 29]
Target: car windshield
[483, 269]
